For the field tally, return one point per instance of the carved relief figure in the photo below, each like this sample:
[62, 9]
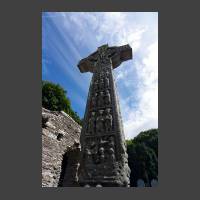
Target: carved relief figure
[101, 155]
[103, 55]
[107, 98]
[106, 82]
[101, 84]
[91, 144]
[108, 120]
[94, 100]
[91, 124]
[94, 151]
[101, 99]
[88, 155]
[101, 75]
[111, 154]
[111, 142]
[99, 122]
[107, 74]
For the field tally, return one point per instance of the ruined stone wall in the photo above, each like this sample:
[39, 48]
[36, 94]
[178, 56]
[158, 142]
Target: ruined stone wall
[60, 144]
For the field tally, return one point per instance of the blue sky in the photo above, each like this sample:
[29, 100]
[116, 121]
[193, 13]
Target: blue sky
[67, 37]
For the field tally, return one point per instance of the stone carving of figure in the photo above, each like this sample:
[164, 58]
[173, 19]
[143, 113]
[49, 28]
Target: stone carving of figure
[100, 122]
[101, 99]
[101, 84]
[111, 142]
[94, 100]
[111, 154]
[106, 82]
[103, 55]
[91, 144]
[107, 98]
[91, 124]
[107, 74]
[101, 75]
[88, 155]
[108, 120]
[101, 155]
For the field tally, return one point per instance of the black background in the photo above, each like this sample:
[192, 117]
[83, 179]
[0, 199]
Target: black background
[20, 113]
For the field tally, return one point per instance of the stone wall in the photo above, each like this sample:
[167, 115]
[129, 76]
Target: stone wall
[60, 149]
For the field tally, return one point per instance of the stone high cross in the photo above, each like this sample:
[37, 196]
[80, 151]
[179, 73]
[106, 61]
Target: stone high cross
[104, 161]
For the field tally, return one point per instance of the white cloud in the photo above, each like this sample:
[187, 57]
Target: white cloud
[146, 114]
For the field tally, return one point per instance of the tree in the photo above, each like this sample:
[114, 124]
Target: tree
[54, 98]
[143, 157]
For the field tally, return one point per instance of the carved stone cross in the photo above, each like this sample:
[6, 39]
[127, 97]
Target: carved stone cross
[102, 135]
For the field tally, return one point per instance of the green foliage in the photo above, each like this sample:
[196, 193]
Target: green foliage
[143, 157]
[54, 98]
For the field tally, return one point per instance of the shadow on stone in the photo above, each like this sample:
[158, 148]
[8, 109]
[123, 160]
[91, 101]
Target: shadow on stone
[63, 169]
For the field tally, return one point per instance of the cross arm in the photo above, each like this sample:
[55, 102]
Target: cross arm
[120, 54]
[116, 54]
[87, 64]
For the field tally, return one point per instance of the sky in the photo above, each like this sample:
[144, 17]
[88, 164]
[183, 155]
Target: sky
[68, 37]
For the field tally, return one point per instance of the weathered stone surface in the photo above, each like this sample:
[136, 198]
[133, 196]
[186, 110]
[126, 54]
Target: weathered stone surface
[103, 160]
[60, 141]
